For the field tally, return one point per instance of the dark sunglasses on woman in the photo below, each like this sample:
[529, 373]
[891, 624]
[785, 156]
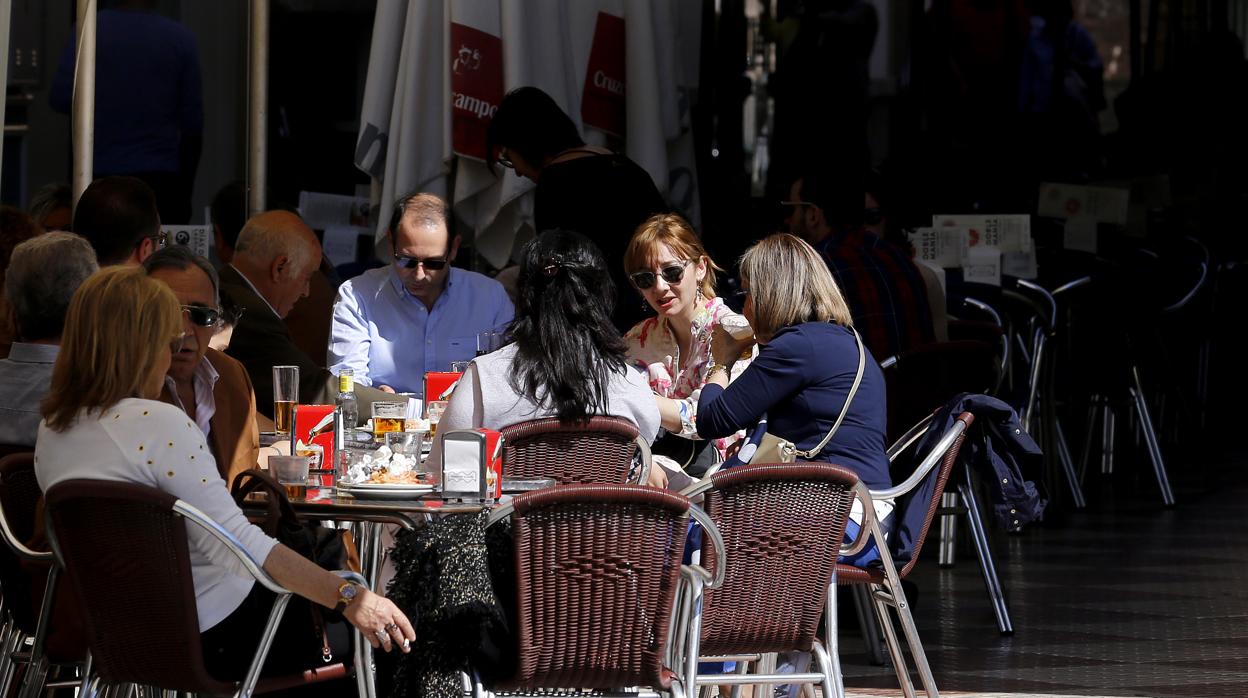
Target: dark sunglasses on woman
[202, 315]
[411, 262]
[672, 274]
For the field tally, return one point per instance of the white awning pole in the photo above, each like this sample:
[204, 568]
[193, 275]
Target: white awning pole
[6, 8]
[84, 99]
[258, 108]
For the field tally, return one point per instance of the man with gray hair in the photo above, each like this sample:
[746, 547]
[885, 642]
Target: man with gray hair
[274, 259]
[43, 274]
[209, 386]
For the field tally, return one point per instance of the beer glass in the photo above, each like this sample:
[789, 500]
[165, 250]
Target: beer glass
[292, 473]
[285, 395]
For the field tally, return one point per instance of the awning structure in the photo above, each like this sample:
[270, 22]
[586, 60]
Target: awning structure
[437, 71]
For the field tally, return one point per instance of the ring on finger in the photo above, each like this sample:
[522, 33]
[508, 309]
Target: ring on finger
[391, 626]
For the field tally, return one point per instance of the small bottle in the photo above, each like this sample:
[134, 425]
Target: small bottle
[347, 404]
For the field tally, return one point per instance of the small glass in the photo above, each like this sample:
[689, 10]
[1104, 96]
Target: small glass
[285, 395]
[388, 417]
[433, 412]
[405, 443]
[292, 473]
[459, 366]
[488, 341]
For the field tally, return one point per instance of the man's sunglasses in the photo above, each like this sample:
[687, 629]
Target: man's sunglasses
[202, 315]
[672, 274]
[429, 264]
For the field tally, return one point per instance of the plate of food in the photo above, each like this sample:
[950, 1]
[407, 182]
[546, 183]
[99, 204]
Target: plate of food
[388, 485]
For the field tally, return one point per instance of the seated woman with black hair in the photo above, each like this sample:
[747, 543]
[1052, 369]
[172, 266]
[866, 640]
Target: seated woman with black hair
[566, 359]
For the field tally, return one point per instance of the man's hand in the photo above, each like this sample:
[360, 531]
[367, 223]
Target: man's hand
[380, 621]
[386, 389]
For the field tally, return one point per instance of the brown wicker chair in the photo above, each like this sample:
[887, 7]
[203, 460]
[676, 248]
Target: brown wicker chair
[599, 451]
[33, 593]
[782, 526]
[597, 569]
[884, 581]
[126, 550]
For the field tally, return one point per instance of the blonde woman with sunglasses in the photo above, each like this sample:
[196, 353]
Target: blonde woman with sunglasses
[667, 264]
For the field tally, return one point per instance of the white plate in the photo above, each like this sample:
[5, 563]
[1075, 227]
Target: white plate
[383, 491]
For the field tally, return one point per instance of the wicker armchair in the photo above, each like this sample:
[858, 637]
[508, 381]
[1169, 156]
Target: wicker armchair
[884, 582]
[782, 526]
[105, 532]
[28, 620]
[600, 450]
[597, 569]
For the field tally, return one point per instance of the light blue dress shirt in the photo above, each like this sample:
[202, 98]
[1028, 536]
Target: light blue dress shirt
[388, 337]
[25, 378]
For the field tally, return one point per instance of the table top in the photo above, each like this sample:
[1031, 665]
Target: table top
[325, 505]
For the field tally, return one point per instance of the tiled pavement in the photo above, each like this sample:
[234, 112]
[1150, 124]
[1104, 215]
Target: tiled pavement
[1126, 599]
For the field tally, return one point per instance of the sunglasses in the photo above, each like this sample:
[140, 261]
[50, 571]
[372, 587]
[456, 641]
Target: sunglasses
[406, 262]
[672, 274]
[202, 315]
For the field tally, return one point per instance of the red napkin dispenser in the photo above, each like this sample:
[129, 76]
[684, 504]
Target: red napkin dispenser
[472, 464]
[439, 384]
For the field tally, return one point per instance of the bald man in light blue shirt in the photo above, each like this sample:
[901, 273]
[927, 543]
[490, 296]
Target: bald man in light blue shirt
[394, 324]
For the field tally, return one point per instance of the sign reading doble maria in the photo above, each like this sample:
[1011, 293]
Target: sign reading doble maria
[602, 103]
[476, 87]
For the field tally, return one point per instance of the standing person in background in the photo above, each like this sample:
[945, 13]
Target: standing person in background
[149, 111]
[15, 228]
[580, 187]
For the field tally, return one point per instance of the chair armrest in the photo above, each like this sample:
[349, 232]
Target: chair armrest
[862, 494]
[18, 547]
[908, 438]
[231, 543]
[1082, 281]
[647, 460]
[933, 457]
[717, 540]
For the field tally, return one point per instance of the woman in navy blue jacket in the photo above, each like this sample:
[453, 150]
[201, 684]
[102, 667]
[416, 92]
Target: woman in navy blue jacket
[805, 367]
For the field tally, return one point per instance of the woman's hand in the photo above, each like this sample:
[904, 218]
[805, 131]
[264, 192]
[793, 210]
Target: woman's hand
[726, 350]
[657, 477]
[380, 621]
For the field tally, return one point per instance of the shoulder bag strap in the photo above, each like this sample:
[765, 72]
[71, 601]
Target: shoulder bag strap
[862, 363]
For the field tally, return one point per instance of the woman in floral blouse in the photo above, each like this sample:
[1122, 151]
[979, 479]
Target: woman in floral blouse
[668, 266]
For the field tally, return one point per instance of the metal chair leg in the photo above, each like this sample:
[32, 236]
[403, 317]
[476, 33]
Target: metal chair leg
[831, 625]
[987, 566]
[1150, 437]
[1068, 467]
[1107, 439]
[890, 639]
[948, 530]
[867, 622]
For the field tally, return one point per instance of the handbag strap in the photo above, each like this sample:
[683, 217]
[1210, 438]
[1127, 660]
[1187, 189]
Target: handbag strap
[862, 364]
[279, 512]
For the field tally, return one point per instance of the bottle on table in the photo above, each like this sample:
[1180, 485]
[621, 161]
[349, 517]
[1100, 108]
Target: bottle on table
[347, 404]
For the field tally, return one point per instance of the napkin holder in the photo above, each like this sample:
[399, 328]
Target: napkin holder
[472, 464]
[439, 384]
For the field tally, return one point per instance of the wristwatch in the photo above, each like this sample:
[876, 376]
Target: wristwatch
[346, 594]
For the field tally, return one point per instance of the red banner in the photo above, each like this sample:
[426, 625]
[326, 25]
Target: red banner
[476, 87]
[602, 102]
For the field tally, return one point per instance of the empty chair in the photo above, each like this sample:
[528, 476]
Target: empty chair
[918, 498]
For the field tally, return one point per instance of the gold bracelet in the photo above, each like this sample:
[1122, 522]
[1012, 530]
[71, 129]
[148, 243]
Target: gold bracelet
[718, 367]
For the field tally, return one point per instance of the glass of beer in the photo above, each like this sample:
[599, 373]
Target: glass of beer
[285, 395]
[388, 417]
[292, 473]
[433, 412]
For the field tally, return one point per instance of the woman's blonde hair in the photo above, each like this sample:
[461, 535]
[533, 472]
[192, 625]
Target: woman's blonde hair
[671, 230]
[118, 323]
[789, 284]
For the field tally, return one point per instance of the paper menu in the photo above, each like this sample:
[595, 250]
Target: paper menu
[1008, 233]
[1071, 201]
[942, 247]
[196, 237]
[983, 266]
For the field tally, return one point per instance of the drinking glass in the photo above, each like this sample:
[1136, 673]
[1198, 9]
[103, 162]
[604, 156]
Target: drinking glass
[459, 366]
[388, 416]
[433, 412]
[488, 341]
[292, 473]
[285, 395]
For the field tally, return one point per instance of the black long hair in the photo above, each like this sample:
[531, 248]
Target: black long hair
[531, 123]
[566, 345]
